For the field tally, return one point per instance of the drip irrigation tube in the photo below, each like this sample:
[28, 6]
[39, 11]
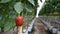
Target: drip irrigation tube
[30, 26]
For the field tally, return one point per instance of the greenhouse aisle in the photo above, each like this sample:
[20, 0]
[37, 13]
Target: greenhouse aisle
[39, 28]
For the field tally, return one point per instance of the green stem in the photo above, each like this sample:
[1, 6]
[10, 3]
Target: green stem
[2, 29]
[18, 14]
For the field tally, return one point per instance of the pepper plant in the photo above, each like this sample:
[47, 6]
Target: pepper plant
[9, 9]
[51, 8]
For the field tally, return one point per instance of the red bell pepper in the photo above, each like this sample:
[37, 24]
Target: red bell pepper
[19, 20]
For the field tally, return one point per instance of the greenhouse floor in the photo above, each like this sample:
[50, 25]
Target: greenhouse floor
[39, 28]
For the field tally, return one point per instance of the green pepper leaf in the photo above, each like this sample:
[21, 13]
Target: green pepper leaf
[4, 1]
[32, 2]
[29, 8]
[19, 7]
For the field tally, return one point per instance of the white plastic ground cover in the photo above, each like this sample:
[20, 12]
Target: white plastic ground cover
[57, 21]
[58, 32]
[51, 28]
[26, 32]
[54, 30]
[30, 26]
